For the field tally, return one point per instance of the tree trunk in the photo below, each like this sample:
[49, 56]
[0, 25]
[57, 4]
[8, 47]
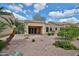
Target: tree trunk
[11, 36]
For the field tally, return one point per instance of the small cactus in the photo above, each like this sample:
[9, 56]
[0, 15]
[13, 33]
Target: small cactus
[33, 40]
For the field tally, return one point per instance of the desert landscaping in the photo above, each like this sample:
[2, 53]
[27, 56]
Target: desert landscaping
[41, 47]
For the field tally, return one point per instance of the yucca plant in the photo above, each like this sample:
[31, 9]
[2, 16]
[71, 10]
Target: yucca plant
[14, 24]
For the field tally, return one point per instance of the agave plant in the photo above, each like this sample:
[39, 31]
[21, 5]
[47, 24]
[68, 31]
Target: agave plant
[14, 24]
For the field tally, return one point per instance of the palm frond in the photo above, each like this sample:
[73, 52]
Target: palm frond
[2, 26]
[1, 8]
[4, 13]
[8, 22]
[12, 22]
[6, 19]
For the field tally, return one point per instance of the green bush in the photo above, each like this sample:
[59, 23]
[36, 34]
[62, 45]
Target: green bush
[50, 33]
[65, 44]
[2, 45]
[69, 32]
[33, 40]
[77, 38]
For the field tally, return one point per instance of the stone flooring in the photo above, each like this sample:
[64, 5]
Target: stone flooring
[41, 47]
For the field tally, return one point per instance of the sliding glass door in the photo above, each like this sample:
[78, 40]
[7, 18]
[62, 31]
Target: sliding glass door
[34, 30]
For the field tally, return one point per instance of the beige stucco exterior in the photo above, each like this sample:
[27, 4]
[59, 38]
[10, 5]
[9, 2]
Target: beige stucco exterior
[41, 24]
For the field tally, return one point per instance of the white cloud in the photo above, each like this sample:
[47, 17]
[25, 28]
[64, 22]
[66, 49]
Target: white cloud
[7, 10]
[19, 16]
[21, 5]
[39, 6]
[49, 19]
[70, 20]
[47, 6]
[24, 11]
[69, 12]
[56, 14]
[28, 4]
[27, 11]
[15, 8]
[27, 16]
[66, 13]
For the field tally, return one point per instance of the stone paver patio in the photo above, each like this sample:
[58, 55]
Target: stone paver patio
[41, 47]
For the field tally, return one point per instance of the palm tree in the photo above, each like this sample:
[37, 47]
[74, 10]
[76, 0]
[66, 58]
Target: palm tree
[2, 24]
[14, 24]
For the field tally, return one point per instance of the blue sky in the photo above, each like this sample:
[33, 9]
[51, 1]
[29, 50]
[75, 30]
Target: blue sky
[57, 12]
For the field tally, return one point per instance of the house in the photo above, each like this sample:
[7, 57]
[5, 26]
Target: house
[36, 27]
[40, 27]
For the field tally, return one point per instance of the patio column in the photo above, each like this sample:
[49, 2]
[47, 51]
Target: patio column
[43, 29]
[26, 29]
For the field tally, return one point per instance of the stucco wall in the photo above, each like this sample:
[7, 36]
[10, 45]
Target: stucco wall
[35, 24]
[43, 25]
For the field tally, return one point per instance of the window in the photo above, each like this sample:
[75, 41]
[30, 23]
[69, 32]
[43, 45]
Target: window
[47, 29]
[55, 28]
[50, 29]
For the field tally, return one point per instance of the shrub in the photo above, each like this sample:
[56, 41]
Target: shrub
[65, 44]
[33, 40]
[50, 33]
[69, 32]
[77, 38]
[2, 45]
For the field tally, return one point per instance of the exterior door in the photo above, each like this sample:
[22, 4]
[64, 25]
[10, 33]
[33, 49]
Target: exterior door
[34, 30]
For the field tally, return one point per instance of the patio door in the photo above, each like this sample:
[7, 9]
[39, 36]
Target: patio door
[34, 30]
